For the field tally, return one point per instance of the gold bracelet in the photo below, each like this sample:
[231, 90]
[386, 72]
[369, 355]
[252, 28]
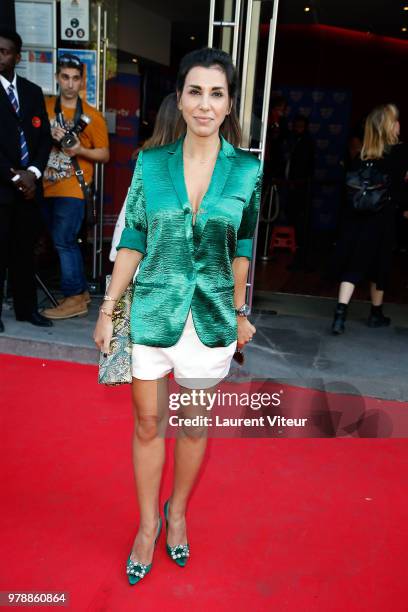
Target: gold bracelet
[105, 312]
[108, 298]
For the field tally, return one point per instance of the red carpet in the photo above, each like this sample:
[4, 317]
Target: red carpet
[275, 524]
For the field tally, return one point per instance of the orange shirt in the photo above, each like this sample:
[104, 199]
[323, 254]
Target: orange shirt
[59, 178]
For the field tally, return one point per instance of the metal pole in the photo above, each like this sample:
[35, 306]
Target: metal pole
[265, 115]
[225, 24]
[268, 76]
[245, 62]
[250, 76]
[98, 100]
[211, 24]
[102, 168]
[104, 58]
[98, 55]
[236, 31]
[273, 197]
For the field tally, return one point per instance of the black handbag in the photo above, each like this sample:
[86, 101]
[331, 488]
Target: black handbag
[367, 188]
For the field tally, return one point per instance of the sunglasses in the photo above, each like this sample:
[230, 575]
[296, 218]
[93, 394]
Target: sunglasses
[69, 59]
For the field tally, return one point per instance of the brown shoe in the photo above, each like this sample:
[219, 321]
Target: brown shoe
[85, 294]
[72, 306]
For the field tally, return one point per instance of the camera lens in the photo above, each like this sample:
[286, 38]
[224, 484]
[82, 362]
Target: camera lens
[83, 122]
[68, 141]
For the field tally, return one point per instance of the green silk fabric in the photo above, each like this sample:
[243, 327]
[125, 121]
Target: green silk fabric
[186, 265]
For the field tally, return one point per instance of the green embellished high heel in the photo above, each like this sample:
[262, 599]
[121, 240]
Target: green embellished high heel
[136, 570]
[179, 553]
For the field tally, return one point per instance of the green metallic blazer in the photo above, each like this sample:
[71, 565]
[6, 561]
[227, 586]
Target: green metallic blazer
[186, 265]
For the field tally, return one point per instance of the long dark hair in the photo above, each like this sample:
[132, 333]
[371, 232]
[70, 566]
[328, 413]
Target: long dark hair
[207, 58]
[169, 124]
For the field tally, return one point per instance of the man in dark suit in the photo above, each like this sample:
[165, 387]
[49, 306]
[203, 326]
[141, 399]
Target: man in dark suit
[25, 144]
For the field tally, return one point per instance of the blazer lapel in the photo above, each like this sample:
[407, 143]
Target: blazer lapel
[176, 170]
[219, 178]
[23, 98]
[6, 101]
[221, 171]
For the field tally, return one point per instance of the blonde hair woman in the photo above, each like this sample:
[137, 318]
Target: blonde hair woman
[364, 251]
[381, 131]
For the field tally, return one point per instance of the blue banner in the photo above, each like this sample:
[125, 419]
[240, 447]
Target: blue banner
[328, 112]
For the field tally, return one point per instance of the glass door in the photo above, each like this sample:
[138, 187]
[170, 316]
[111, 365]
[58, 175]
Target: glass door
[236, 26]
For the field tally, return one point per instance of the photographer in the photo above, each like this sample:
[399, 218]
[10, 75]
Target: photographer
[80, 139]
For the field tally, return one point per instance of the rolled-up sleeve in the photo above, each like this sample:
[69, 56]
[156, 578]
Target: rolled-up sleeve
[247, 227]
[135, 231]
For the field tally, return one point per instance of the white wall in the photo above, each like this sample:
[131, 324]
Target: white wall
[143, 33]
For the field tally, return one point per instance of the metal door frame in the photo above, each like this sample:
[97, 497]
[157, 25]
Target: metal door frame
[247, 85]
[99, 170]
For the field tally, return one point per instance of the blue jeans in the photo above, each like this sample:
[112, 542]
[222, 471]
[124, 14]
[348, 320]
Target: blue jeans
[64, 217]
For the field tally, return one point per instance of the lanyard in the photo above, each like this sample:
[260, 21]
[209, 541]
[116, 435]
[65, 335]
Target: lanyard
[60, 115]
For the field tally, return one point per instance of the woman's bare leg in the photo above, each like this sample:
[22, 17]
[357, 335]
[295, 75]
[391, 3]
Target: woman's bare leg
[150, 401]
[188, 456]
[377, 297]
[346, 290]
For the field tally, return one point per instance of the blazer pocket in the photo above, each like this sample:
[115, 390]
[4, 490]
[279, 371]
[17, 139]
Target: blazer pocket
[235, 197]
[147, 284]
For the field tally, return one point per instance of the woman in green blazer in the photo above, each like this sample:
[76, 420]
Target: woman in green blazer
[190, 220]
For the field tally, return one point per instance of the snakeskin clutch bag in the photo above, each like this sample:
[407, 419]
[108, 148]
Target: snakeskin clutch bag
[116, 368]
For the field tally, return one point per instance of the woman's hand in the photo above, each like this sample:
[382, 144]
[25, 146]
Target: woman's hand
[245, 331]
[103, 332]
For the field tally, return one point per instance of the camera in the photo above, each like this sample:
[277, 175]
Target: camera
[69, 139]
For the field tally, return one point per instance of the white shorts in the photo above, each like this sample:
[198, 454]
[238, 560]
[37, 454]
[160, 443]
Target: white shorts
[195, 365]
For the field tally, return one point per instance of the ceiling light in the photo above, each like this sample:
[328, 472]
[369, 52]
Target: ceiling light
[192, 37]
[403, 29]
[307, 9]
[405, 8]
[134, 60]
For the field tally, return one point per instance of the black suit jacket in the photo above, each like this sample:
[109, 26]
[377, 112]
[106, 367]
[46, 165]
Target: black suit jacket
[34, 121]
